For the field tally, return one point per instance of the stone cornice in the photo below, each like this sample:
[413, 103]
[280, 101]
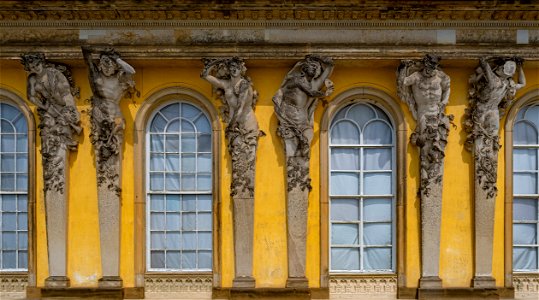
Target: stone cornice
[190, 13]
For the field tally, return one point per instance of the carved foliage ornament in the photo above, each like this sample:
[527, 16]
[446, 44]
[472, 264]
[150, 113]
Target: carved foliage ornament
[235, 89]
[492, 89]
[424, 87]
[51, 88]
[110, 79]
[294, 104]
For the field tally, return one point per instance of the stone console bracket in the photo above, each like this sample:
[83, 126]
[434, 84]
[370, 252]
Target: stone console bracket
[86, 293]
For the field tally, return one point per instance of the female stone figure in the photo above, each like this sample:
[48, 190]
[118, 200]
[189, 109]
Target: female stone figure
[295, 103]
[235, 89]
[491, 92]
[239, 98]
[51, 88]
[110, 79]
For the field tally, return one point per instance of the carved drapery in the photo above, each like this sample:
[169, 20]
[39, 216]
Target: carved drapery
[111, 79]
[294, 104]
[235, 89]
[425, 88]
[51, 88]
[492, 89]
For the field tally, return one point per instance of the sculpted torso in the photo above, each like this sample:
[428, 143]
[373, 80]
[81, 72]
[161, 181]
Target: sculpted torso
[55, 90]
[427, 93]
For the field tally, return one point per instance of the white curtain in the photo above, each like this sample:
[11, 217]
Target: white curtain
[345, 132]
[344, 183]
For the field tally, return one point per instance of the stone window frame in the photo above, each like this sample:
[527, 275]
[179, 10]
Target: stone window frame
[391, 106]
[529, 98]
[154, 101]
[16, 100]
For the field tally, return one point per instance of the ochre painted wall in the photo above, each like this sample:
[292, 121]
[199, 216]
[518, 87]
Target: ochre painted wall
[270, 262]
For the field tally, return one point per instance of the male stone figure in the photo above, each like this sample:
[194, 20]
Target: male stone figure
[425, 88]
[110, 79]
[295, 103]
[52, 90]
[239, 98]
[491, 92]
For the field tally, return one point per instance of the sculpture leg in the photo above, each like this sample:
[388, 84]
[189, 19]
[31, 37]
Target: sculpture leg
[431, 210]
[243, 241]
[109, 204]
[56, 215]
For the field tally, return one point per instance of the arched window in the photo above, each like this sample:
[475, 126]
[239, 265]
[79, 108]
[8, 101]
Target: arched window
[362, 190]
[179, 189]
[526, 190]
[13, 189]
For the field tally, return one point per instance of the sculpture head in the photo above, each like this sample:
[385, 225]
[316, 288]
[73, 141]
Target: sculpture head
[107, 62]
[507, 70]
[236, 67]
[33, 62]
[311, 67]
[430, 63]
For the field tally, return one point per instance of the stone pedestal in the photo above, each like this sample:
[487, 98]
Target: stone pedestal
[243, 240]
[484, 237]
[56, 216]
[431, 215]
[297, 206]
[109, 204]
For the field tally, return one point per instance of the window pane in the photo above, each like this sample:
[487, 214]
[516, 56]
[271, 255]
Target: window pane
[189, 259]
[8, 162]
[7, 143]
[344, 258]
[204, 221]
[157, 240]
[188, 143]
[344, 234]
[204, 143]
[204, 240]
[157, 202]
[203, 183]
[377, 132]
[22, 221]
[157, 221]
[524, 159]
[23, 240]
[188, 163]
[173, 126]
[157, 143]
[9, 221]
[22, 142]
[344, 159]
[525, 258]
[9, 259]
[173, 221]
[203, 125]
[22, 163]
[189, 203]
[377, 159]
[204, 202]
[377, 209]
[525, 209]
[173, 202]
[377, 184]
[173, 259]
[189, 241]
[172, 143]
[345, 132]
[189, 111]
[157, 259]
[377, 234]
[525, 183]
[172, 181]
[9, 240]
[173, 163]
[524, 234]
[204, 163]
[158, 124]
[171, 111]
[204, 259]
[344, 209]
[23, 260]
[344, 183]
[188, 221]
[524, 134]
[361, 114]
[9, 203]
[173, 240]
[377, 259]
[188, 182]
[157, 181]
[7, 182]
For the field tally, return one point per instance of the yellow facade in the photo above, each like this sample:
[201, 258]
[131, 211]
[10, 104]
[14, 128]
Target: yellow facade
[270, 264]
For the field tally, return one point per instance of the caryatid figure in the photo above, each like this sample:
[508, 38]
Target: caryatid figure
[51, 88]
[492, 89]
[294, 104]
[424, 87]
[111, 79]
[234, 87]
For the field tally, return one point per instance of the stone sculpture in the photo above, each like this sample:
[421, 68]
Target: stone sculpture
[294, 104]
[236, 92]
[492, 89]
[425, 88]
[51, 88]
[110, 79]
